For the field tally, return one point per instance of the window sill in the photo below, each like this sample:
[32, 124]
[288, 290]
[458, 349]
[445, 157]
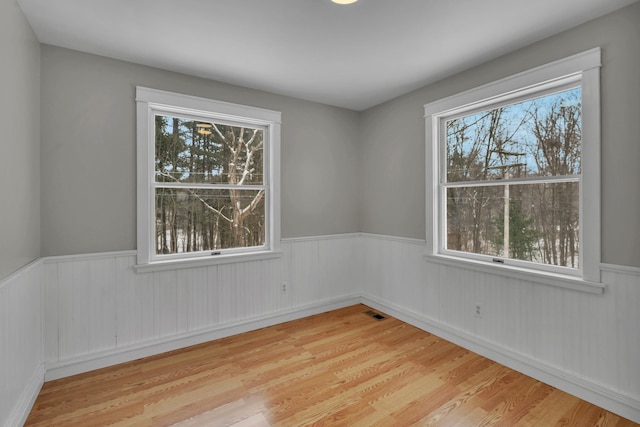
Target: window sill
[551, 279]
[209, 261]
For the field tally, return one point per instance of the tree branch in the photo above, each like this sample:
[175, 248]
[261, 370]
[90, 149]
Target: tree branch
[197, 196]
[251, 206]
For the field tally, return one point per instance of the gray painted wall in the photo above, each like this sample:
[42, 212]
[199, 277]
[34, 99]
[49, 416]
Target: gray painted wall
[392, 163]
[342, 171]
[19, 140]
[88, 151]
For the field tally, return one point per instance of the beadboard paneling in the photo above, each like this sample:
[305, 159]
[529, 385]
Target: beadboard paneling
[21, 367]
[82, 312]
[591, 339]
[98, 306]
[624, 329]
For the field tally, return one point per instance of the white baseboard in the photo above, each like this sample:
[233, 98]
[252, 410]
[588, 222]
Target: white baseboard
[112, 357]
[21, 411]
[623, 405]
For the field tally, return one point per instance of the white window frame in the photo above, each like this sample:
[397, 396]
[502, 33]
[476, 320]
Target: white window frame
[580, 70]
[151, 102]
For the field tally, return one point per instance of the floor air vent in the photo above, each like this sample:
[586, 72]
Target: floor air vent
[374, 315]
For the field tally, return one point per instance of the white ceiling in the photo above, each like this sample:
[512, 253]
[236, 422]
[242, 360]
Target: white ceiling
[354, 56]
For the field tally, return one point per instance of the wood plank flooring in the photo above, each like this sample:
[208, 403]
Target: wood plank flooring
[342, 368]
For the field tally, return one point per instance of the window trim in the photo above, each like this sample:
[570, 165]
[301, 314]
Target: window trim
[583, 67]
[150, 102]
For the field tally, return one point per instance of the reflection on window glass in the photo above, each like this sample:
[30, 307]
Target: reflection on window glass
[204, 152]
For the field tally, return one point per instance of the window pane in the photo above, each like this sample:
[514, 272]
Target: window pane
[542, 222]
[192, 220]
[206, 152]
[539, 137]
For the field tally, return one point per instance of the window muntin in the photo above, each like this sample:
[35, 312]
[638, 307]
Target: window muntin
[582, 71]
[511, 180]
[208, 179]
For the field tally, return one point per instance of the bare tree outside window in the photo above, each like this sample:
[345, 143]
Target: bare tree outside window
[210, 191]
[512, 180]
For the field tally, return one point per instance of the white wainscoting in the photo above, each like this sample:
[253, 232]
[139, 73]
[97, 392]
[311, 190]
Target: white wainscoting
[21, 363]
[72, 314]
[99, 311]
[583, 343]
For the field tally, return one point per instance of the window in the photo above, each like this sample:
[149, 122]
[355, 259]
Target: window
[207, 178]
[513, 171]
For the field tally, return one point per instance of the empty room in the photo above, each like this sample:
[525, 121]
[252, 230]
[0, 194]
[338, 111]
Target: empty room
[320, 212]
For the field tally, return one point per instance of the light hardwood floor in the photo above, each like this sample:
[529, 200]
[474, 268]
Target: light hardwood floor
[342, 368]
